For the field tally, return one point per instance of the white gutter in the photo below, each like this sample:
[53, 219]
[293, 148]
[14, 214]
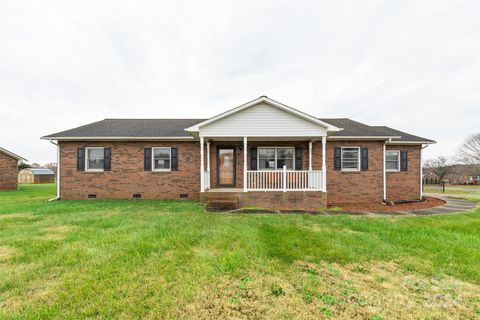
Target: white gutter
[58, 171]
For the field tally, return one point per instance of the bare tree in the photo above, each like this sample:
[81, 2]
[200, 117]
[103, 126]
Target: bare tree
[439, 165]
[469, 151]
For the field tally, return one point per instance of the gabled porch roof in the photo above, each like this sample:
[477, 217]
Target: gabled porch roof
[262, 117]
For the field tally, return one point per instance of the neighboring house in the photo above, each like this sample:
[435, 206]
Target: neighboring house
[431, 178]
[9, 169]
[262, 154]
[36, 175]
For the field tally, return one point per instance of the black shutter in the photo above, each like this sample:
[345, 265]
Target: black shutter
[337, 158]
[403, 160]
[107, 159]
[147, 159]
[298, 158]
[364, 159]
[253, 158]
[80, 159]
[174, 159]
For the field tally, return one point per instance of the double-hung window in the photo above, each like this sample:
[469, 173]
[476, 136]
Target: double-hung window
[162, 159]
[351, 158]
[274, 158]
[392, 160]
[94, 160]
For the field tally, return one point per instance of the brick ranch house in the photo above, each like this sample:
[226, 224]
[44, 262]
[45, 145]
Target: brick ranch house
[9, 169]
[260, 154]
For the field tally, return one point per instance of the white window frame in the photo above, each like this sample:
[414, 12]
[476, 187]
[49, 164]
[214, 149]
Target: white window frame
[153, 159]
[86, 159]
[398, 162]
[279, 147]
[358, 159]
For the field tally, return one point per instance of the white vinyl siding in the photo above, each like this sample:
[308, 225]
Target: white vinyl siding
[94, 158]
[392, 160]
[351, 158]
[262, 120]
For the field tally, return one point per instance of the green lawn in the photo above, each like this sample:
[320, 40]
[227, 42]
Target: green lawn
[171, 259]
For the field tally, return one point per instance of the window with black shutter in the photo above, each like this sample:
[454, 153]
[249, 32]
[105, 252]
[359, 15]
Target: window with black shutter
[80, 159]
[404, 160]
[253, 158]
[337, 158]
[298, 158]
[107, 159]
[147, 159]
[364, 159]
[174, 159]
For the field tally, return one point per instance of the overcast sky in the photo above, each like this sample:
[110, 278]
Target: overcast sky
[412, 66]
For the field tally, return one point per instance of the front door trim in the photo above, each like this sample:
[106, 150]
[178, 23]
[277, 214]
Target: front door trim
[234, 166]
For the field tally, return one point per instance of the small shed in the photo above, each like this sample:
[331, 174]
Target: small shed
[36, 175]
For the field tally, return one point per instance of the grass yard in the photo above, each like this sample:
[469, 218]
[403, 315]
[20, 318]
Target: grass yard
[467, 191]
[171, 260]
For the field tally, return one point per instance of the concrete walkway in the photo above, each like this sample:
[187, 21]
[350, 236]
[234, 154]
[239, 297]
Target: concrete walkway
[453, 205]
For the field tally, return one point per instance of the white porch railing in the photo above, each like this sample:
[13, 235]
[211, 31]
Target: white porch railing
[206, 179]
[284, 180]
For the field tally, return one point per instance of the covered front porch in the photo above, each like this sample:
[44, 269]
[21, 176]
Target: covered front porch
[269, 154]
[258, 164]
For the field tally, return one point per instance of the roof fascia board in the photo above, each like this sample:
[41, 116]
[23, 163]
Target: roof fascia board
[11, 154]
[329, 127]
[362, 137]
[411, 142]
[115, 138]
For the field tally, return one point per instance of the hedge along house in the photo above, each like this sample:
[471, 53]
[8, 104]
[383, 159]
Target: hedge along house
[9, 169]
[261, 154]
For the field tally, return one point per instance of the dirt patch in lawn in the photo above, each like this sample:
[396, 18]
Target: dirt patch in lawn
[6, 253]
[57, 232]
[356, 291]
[429, 202]
[16, 215]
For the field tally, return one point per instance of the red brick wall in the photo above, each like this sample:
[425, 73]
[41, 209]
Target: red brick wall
[8, 172]
[359, 186]
[405, 185]
[127, 175]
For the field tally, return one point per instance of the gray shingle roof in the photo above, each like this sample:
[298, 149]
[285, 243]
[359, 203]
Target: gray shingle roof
[175, 128]
[404, 136]
[134, 128]
[353, 128]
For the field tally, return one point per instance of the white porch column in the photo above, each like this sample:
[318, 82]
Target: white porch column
[244, 164]
[208, 156]
[324, 163]
[202, 166]
[310, 156]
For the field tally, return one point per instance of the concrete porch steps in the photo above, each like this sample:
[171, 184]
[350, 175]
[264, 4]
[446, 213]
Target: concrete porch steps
[222, 201]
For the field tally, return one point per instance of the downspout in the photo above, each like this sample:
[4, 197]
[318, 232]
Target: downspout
[385, 171]
[58, 171]
[421, 171]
